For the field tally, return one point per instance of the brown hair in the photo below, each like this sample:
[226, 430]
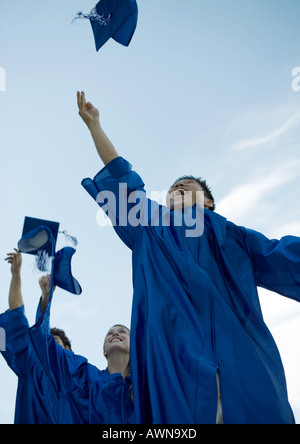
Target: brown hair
[62, 335]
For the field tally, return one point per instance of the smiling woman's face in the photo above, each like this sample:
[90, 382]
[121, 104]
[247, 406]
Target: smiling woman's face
[116, 339]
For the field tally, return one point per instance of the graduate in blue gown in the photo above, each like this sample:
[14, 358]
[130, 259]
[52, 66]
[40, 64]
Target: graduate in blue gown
[56, 386]
[39, 399]
[200, 350]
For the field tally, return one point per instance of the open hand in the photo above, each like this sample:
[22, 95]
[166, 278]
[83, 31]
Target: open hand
[89, 114]
[15, 259]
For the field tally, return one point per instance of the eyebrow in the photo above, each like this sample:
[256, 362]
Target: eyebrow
[118, 329]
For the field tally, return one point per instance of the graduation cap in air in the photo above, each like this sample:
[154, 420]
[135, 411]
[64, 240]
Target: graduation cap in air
[112, 18]
[39, 238]
[38, 235]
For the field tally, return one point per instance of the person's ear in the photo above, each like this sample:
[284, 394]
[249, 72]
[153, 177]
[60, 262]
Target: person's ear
[208, 203]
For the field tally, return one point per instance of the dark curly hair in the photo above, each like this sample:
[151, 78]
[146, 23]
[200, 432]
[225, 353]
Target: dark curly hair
[62, 335]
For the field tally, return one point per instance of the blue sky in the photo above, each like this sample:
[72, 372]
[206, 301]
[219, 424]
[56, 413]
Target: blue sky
[204, 88]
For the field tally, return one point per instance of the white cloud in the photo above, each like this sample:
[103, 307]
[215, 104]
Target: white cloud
[245, 198]
[272, 136]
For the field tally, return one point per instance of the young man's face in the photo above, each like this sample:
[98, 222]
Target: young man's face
[185, 193]
[117, 339]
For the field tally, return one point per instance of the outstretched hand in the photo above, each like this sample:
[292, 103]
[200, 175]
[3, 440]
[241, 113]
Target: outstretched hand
[15, 259]
[89, 114]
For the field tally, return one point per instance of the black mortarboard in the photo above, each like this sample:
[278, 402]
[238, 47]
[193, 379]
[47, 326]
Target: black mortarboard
[39, 238]
[38, 234]
[112, 18]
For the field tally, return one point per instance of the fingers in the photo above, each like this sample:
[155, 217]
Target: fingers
[14, 254]
[81, 101]
[10, 260]
[10, 257]
[14, 258]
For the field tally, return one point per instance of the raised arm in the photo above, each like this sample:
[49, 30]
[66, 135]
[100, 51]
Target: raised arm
[44, 283]
[15, 299]
[90, 115]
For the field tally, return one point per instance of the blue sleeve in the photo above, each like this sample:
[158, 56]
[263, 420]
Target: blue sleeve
[65, 369]
[276, 263]
[69, 370]
[119, 191]
[18, 350]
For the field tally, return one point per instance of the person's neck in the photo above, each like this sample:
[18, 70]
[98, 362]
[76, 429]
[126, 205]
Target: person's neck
[119, 363]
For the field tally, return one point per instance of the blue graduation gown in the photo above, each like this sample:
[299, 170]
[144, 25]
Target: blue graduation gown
[97, 395]
[55, 386]
[37, 400]
[196, 309]
[94, 396]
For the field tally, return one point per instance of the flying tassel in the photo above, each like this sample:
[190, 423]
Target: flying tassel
[93, 15]
[43, 261]
[72, 239]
